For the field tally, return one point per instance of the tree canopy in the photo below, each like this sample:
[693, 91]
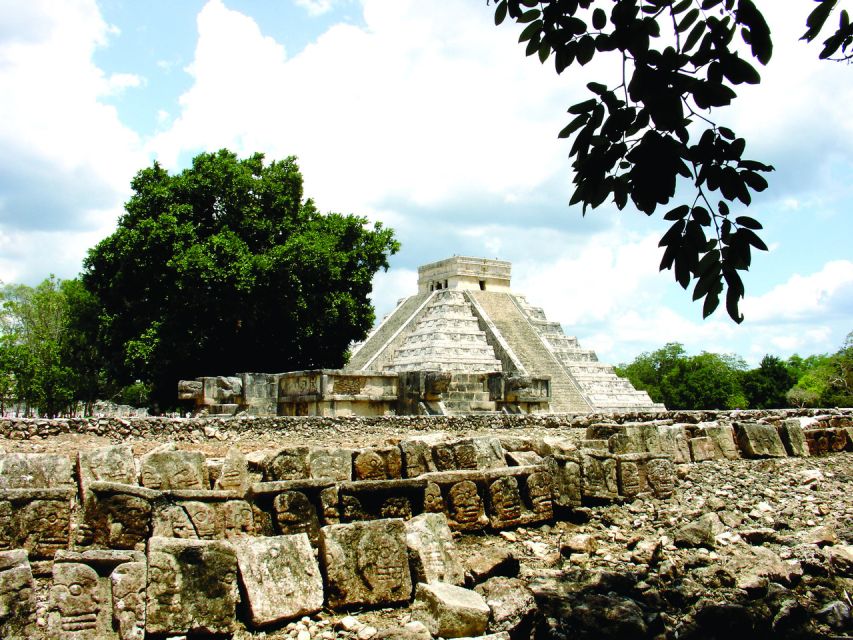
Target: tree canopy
[715, 381]
[226, 267]
[639, 139]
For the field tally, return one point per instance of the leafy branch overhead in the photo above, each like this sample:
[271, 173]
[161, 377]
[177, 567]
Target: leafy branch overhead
[637, 140]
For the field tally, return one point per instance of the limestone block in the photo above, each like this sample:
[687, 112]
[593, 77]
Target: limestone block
[449, 611]
[417, 453]
[79, 606]
[127, 583]
[379, 499]
[335, 464]
[599, 475]
[566, 480]
[538, 493]
[17, 598]
[512, 606]
[504, 503]
[234, 475]
[105, 464]
[366, 563]
[793, 438]
[378, 464]
[167, 470]
[432, 553]
[469, 454]
[295, 514]
[673, 442]
[523, 458]
[118, 516]
[723, 439]
[702, 449]
[759, 441]
[34, 471]
[464, 506]
[645, 437]
[44, 526]
[192, 586]
[190, 390]
[660, 475]
[287, 464]
[280, 576]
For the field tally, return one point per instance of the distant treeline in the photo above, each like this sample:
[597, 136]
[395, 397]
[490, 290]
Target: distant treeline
[714, 381]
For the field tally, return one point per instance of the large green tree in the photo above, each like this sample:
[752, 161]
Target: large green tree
[226, 267]
[765, 386]
[640, 137]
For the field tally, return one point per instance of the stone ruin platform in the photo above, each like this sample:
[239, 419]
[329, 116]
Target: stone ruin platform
[174, 541]
[463, 344]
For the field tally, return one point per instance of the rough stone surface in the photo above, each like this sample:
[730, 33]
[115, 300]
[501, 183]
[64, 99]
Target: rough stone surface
[192, 586]
[366, 563]
[450, 611]
[128, 581]
[432, 553]
[512, 606]
[280, 577]
[759, 441]
[17, 597]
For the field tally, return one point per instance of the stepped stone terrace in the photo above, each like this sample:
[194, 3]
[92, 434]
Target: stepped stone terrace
[465, 343]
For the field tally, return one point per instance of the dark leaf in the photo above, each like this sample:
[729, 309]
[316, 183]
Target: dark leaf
[529, 16]
[599, 19]
[500, 12]
[817, 18]
[678, 213]
[749, 223]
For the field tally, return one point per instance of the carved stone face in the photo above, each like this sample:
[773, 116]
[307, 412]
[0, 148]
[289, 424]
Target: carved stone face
[433, 502]
[444, 458]
[47, 523]
[380, 562]
[127, 519]
[630, 476]
[506, 500]
[203, 518]
[397, 507]
[466, 506]
[179, 520]
[238, 519]
[75, 595]
[369, 465]
[164, 585]
[294, 513]
[128, 591]
[661, 477]
[466, 456]
[539, 492]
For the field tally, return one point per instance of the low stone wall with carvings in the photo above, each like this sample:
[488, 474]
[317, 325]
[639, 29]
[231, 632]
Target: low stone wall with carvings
[174, 542]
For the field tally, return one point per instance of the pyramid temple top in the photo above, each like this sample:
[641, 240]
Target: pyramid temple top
[462, 272]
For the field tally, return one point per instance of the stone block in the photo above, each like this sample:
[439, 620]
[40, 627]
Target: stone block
[208, 518]
[512, 606]
[280, 577]
[118, 516]
[793, 438]
[378, 464]
[723, 439]
[287, 464]
[295, 514]
[127, 583]
[432, 553]
[34, 471]
[673, 441]
[660, 475]
[504, 503]
[79, 604]
[702, 449]
[192, 587]
[449, 611]
[759, 440]
[523, 458]
[17, 596]
[366, 563]
[335, 464]
[379, 499]
[566, 480]
[38, 520]
[417, 453]
[105, 464]
[169, 470]
[234, 475]
[599, 476]
[460, 495]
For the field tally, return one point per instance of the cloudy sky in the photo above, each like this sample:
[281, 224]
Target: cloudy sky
[425, 116]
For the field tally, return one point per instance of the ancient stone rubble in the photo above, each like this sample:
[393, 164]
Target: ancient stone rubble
[465, 343]
[173, 542]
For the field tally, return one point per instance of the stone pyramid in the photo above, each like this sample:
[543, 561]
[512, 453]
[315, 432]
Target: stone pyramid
[465, 319]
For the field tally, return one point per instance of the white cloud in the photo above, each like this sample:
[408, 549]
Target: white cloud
[424, 104]
[118, 82]
[67, 159]
[315, 7]
[826, 293]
